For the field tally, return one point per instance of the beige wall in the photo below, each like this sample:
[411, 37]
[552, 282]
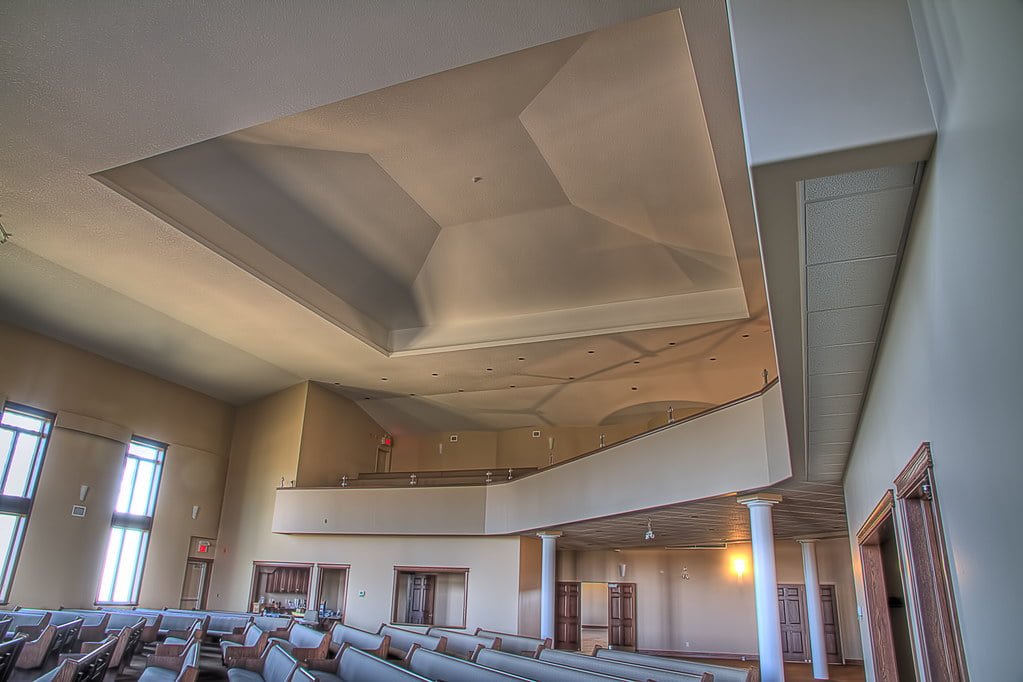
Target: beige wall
[337, 438]
[948, 369]
[529, 586]
[44, 373]
[714, 610]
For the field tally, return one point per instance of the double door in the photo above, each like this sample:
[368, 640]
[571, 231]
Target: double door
[795, 634]
[621, 616]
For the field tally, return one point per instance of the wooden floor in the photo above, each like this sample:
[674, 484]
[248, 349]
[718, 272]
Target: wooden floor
[801, 672]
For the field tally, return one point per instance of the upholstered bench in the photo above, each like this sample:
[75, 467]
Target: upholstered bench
[438, 666]
[355, 665]
[517, 644]
[464, 645]
[304, 643]
[54, 639]
[183, 668]
[402, 641]
[94, 623]
[277, 626]
[23, 623]
[275, 665]
[722, 673]
[532, 669]
[248, 644]
[83, 667]
[370, 642]
[627, 670]
[125, 644]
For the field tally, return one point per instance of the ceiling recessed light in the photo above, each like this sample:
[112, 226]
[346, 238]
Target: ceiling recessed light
[413, 395]
[435, 374]
[590, 352]
[461, 390]
[671, 343]
[365, 397]
[635, 362]
[635, 388]
[337, 383]
[476, 178]
[571, 378]
[745, 336]
[511, 386]
[521, 359]
[713, 359]
[490, 369]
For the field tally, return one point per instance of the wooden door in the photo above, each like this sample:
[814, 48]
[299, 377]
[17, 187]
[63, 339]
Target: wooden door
[621, 616]
[794, 635]
[383, 464]
[421, 592]
[196, 586]
[567, 604]
[829, 612]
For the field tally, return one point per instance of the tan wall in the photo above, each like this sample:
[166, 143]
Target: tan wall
[44, 373]
[529, 586]
[714, 610]
[337, 438]
[420, 452]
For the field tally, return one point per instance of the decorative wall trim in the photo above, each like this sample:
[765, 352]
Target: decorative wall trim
[876, 518]
[915, 472]
[70, 421]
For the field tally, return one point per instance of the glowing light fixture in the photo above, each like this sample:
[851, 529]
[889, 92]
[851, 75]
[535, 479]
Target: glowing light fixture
[739, 566]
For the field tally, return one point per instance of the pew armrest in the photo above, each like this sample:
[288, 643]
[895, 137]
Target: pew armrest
[327, 665]
[238, 636]
[303, 654]
[170, 649]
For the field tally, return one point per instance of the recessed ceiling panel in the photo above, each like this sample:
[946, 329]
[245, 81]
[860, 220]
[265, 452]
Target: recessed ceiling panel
[510, 200]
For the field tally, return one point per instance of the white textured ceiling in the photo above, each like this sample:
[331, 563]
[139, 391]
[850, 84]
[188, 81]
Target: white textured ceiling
[94, 87]
[854, 229]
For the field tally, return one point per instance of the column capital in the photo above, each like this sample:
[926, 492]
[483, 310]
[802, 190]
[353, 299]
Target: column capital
[759, 499]
[553, 534]
[808, 541]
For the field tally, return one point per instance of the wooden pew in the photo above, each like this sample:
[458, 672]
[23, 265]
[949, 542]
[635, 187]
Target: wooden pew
[304, 643]
[518, 644]
[54, 639]
[183, 668]
[249, 644]
[437, 666]
[90, 667]
[464, 645]
[721, 673]
[629, 671]
[532, 669]
[371, 643]
[355, 665]
[402, 641]
[9, 652]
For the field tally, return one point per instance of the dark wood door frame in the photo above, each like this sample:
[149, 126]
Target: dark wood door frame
[929, 587]
[568, 615]
[621, 615]
[875, 592]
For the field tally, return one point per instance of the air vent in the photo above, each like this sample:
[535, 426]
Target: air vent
[453, 438]
[536, 434]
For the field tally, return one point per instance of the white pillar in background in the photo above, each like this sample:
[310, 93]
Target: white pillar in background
[548, 584]
[814, 610]
[765, 585]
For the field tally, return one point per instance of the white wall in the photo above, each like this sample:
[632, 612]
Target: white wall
[949, 369]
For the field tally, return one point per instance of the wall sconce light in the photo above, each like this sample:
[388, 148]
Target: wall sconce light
[195, 511]
[621, 570]
[739, 566]
[440, 448]
[83, 492]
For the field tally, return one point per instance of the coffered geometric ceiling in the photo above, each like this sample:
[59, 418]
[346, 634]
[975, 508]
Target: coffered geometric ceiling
[556, 231]
[565, 190]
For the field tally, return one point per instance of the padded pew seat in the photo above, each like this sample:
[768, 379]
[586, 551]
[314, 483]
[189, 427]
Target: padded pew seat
[355, 665]
[722, 673]
[517, 644]
[275, 665]
[464, 645]
[184, 668]
[304, 643]
[370, 642]
[532, 669]
[629, 671]
[437, 666]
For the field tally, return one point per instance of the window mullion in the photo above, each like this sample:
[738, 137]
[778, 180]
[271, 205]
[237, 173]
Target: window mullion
[9, 460]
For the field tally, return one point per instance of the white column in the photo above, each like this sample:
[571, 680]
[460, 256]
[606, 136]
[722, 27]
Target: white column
[548, 567]
[814, 611]
[765, 585]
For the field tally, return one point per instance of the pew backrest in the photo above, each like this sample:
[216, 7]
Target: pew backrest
[66, 636]
[277, 626]
[304, 643]
[722, 673]
[9, 652]
[358, 666]
[517, 644]
[541, 671]
[438, 666]
[32, 624]
[402, 640]
[370, 642]
[279, 665]
[253, 635]
[629, 671]
[463, 644]
[92, 667]
[5, 625]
